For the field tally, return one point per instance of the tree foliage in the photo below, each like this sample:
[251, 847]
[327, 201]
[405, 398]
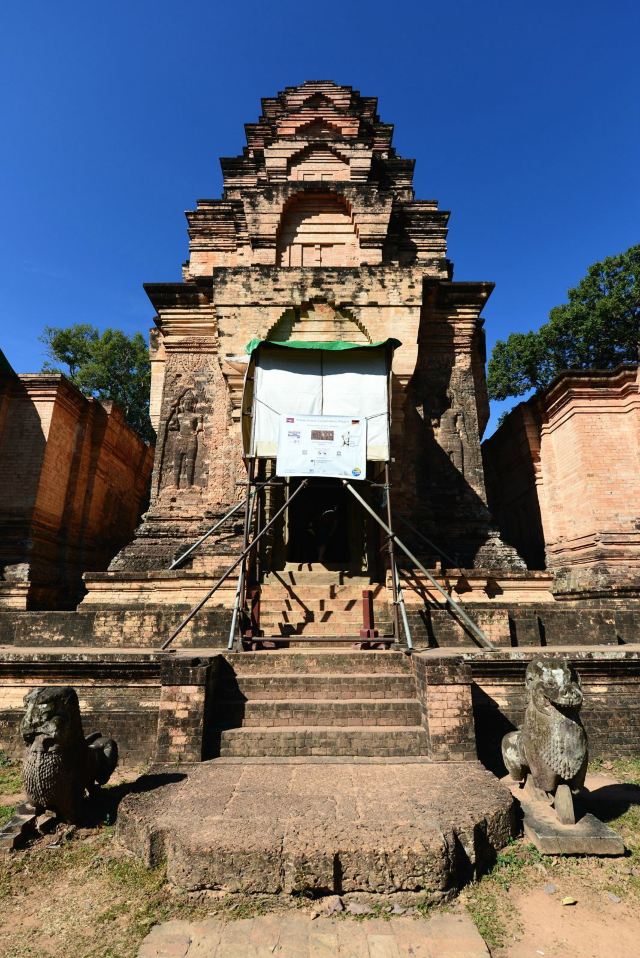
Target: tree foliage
[598, 328]
[108, 366]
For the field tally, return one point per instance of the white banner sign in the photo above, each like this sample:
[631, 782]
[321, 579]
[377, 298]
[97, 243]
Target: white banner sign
[322, 446]
[313, 382]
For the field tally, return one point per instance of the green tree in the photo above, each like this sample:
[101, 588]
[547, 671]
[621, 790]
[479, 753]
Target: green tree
[597, 329]
[108, 366]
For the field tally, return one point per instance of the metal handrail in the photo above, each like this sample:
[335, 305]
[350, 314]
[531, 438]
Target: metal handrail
[403, 609]
[194, 611]
[177, 562]
[471, 625]
[253, 495]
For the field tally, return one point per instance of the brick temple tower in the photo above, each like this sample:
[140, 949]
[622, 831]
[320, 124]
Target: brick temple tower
[317, 236]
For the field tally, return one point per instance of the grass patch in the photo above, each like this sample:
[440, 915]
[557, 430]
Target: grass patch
[488, 900]
[622, 769]
[10, 776]
[6, 812]
[513, 864]
[125, 898]
[489, 911]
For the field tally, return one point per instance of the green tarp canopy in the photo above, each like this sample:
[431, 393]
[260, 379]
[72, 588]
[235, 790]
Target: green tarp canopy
[332, 346]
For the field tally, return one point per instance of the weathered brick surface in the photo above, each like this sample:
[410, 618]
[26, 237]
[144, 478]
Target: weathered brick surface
[180, 709]
[564, 482]
[339, 686]
[330, 742]
[317, 239]
[315, 711]
[73, 481]
[119, 695]
[319, 704]
[444, 693]
[611, 710]
[185, 709]
[115, 628]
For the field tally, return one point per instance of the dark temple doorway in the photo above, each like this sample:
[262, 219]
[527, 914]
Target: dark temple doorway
[319, 524]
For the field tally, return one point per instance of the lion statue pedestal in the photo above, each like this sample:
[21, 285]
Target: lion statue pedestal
[551, 747]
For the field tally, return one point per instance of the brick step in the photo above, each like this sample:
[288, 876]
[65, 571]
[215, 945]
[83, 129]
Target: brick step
[315, 605]
[349, 634]
[357, 685]
[330, 627]
[288, 617]
[310, 592]
[313, 712]
[299, 641]
[351, 741]
[344, 619]
[314, 571]
[318, 662]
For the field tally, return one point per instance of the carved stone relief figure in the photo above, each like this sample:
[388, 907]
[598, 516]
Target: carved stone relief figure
[449, 430]
[450, 439]
[182, 441]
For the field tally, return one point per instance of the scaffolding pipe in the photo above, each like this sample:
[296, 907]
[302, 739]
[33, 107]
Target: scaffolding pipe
[471, 625]
[403, 611]
[392, 556]
[234, 617]
[245, 537]
[225, 576]
[240, 586]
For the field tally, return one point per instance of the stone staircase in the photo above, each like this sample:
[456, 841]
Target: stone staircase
[317, 601]
[317, 703]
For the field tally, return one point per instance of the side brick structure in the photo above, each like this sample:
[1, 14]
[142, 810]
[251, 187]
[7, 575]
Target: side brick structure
[563, 481]
[119, 695]
[444, 692]
[185, 702]
[74, 478]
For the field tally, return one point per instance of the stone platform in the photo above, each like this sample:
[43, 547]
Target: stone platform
[451, 935]
[326, 827]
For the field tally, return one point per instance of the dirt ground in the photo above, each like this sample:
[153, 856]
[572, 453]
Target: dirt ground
[76, 893]
[576, 907]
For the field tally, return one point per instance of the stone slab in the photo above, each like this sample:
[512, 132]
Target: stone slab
[589, 835]
[15, 832]
[451, 935]
[374, 828]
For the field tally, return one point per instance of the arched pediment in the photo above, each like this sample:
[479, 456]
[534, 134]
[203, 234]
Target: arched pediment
[317, 229]
[318, 162]
[318, 129]
[317, 101]
[320, 323]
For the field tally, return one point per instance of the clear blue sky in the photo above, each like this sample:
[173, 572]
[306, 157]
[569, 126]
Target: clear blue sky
[524, 119]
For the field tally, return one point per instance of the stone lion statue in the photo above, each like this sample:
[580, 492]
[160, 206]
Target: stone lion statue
[60, 764]
[551, 746]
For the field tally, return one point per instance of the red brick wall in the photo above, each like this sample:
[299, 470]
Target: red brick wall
[562, 473]
[73, 481]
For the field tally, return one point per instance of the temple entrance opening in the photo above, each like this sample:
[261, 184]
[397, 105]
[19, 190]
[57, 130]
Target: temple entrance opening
[319, 525]
[323, 527]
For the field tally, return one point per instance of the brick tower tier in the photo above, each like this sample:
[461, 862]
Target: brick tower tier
[317, 236]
